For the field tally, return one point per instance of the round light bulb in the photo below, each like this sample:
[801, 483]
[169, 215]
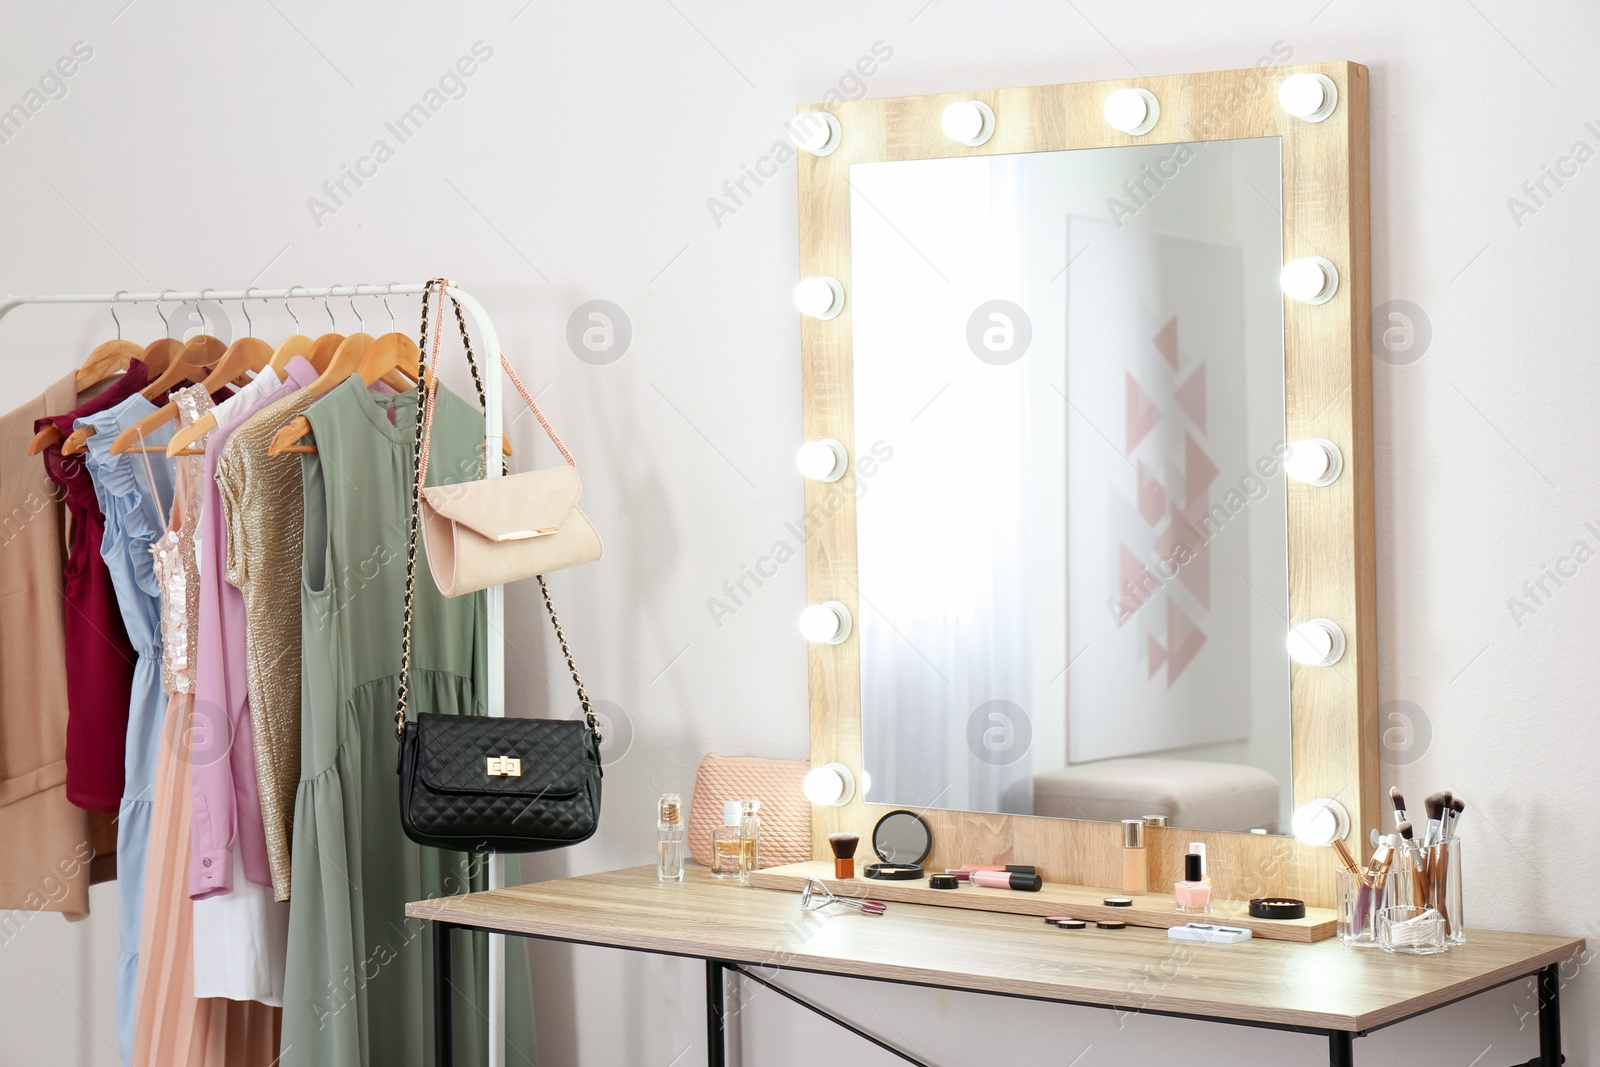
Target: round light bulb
[829, 786]
[824, 460]
[1132, 111]
[817, 132]
[970, 122]
[1315, 462]
[1310, 279]
[827, 623]
[1312, 97]
[820, 297]
[1318, 643]
[1320, 823]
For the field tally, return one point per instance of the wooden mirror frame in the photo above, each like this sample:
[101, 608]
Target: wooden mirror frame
[1328, 394]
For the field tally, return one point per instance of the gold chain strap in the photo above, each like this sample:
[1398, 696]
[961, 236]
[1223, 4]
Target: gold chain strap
[419, 454]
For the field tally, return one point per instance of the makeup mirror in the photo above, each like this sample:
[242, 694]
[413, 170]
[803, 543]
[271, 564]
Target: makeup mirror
[1059, 361]
[902, 837]
[1077, 359]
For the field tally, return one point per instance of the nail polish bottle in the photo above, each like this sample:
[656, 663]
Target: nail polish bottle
[1135, 861]
[1194, 892]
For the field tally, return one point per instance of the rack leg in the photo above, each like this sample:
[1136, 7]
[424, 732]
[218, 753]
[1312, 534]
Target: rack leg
[1341, 1048]
[443, 1046]
[716, 1036]
[1550, 1017]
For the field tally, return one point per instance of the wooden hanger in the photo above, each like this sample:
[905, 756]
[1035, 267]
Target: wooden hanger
[106, 359]
[394, 360]
[199, 355]
[347, 360]
[247, 353]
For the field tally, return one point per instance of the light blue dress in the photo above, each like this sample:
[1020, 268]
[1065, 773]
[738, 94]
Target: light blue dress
[134, 489]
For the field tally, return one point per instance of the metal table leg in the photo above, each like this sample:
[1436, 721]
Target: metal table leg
[716, 1035]
[443, 1046]
[1550, 1017]
[1341, 1048]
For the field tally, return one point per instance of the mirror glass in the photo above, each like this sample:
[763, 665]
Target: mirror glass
[902, 837]
[1072, 534]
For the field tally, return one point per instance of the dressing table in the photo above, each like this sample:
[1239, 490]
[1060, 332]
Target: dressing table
[1089, 541]
[757, 934]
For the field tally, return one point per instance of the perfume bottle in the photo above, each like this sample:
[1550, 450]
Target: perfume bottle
[726, 848]
[749, 838]
[669, 838]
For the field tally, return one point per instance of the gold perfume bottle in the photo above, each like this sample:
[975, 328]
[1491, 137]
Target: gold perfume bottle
[749, 839]
[727, 850]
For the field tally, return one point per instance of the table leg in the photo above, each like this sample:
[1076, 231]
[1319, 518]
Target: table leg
[716, 1036]
[1341, 1048]
[443, 1045]
[1550, 1017]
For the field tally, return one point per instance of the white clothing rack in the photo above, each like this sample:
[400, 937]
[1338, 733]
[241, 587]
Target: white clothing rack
[493, 435]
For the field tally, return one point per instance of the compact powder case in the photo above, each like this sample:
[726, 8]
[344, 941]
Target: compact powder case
[942, 881]
[894, 872]
[1071, 924]
[1119, 902]
[1111, 924]
[1277, 908]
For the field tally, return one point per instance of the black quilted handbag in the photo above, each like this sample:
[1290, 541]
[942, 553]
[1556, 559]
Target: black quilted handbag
[475, 784]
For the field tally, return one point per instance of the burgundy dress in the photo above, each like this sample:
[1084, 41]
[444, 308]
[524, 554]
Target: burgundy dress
[100, 659]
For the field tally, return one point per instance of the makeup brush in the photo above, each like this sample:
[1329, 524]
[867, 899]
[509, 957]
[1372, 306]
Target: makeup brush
[1453, 817]
[1408, 844]
[1434, 804]
[1399, 801]
[844, 854]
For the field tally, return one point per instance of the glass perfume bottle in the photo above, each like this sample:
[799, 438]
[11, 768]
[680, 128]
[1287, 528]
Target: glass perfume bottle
[749, 839]
[669, 838]
[726, 848]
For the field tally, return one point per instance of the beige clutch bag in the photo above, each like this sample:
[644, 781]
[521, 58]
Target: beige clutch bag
[500, 530]
[785, 811]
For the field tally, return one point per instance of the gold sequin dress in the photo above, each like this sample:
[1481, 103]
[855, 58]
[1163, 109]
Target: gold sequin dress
[263, 511]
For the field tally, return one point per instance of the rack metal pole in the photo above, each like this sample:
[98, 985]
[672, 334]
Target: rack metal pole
[493, 428]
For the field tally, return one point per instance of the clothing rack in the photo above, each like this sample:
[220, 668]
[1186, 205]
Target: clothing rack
[493, 426]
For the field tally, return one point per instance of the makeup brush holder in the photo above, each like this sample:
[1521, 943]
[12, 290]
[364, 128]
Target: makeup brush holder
[1442, 890]
[1358, 908]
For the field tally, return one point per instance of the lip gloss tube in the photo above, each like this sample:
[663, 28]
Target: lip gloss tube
[1027, 883]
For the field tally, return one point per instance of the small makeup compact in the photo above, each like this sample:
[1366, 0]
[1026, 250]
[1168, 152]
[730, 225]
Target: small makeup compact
[943, 881]
[1071, 924]
[1118, 902]
[894, 872]
[1111, 924]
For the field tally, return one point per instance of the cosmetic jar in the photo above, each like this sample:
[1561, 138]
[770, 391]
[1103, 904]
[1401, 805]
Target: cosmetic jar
[1111, 924]
[1277, 908]
[942, 881]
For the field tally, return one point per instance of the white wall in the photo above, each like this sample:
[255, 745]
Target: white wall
[578, 166]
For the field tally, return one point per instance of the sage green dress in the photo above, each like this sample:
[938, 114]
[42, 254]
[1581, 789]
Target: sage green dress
[356, 991]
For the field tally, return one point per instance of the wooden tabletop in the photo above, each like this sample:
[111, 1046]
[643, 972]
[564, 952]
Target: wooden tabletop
[1325, 986]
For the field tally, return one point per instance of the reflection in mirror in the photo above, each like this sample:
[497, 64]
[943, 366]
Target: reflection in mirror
[1073, 586]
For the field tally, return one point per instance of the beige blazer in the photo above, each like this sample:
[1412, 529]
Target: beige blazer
[46, 844]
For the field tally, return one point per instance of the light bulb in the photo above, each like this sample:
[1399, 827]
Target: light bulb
[817, 132]
[1318, 643]
[827, 623]
[1317, 461]
[820, 297]
[1132, 111]
[829, 786]
[824, 460]
[1320, 823]
[1310, 280]
[969, 121]
[1312, 97]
